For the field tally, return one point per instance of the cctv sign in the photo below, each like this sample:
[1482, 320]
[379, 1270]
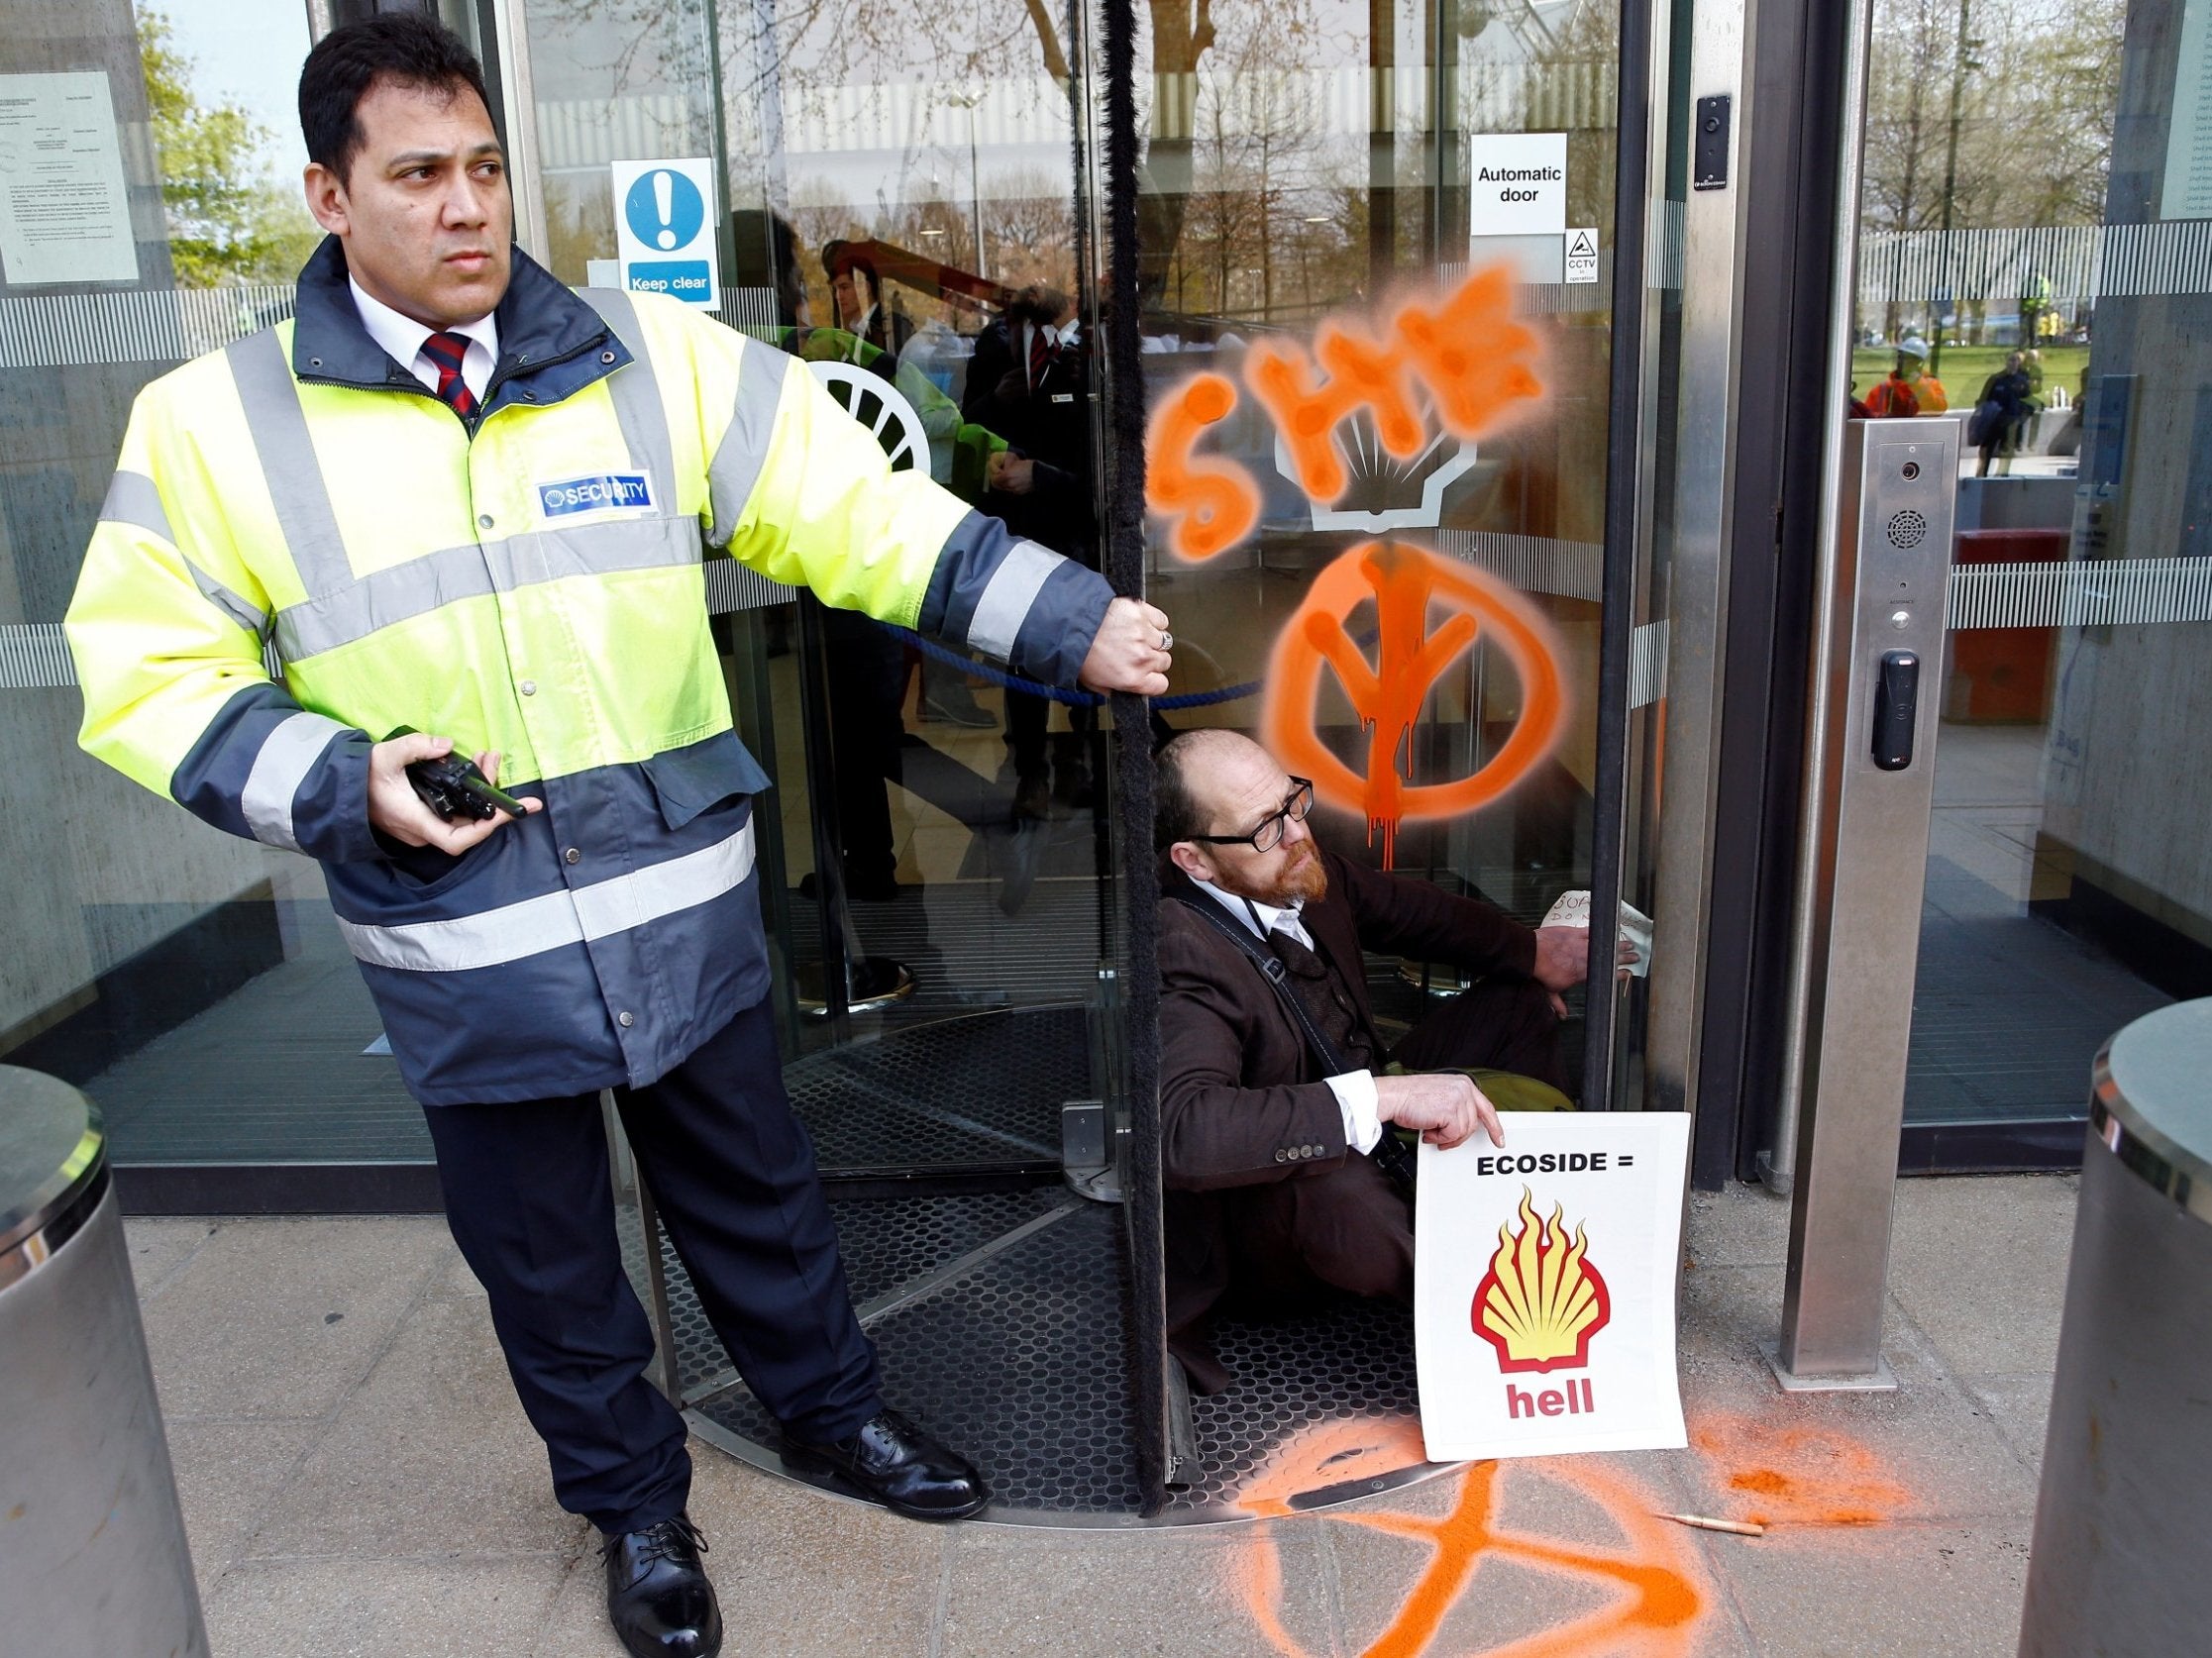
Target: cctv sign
[663, 227]
[1517, 184]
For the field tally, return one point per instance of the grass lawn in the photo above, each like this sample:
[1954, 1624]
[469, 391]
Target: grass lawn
[1965, 367]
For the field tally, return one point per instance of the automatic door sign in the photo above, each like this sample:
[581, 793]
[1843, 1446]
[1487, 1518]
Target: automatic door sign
[664, 225]
[1543, 1287]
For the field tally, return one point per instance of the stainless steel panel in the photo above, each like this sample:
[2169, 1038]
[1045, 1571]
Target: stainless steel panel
[1893, 556]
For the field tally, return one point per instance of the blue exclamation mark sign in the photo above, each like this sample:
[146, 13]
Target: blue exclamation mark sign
[664, 209]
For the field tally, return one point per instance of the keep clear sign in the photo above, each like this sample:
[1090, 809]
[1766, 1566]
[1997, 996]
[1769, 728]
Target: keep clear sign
[664, 226]
[1543, 1287]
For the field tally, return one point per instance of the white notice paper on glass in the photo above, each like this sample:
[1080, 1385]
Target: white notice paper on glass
[2188, 151]
[64, 216]
[1543, 1287]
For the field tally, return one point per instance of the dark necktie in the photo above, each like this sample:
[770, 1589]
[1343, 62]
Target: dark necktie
[1040, 356]
[446, 351]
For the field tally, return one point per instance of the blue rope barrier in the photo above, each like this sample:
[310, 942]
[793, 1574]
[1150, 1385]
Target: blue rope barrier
[1071, 698]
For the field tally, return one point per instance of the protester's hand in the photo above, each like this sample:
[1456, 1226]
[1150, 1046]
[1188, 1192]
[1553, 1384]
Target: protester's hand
[1009, 472]
[1562, 957]
[1445, 1106]
[1131, 651]
[396, 810]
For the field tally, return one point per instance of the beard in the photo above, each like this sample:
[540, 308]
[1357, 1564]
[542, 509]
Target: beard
[1304, 879]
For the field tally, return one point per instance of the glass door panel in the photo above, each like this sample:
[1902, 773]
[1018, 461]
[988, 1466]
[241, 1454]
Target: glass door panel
[2055, 298]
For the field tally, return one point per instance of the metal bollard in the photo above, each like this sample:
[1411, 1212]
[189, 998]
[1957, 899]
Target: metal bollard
[2118, 1567]
[92, 1550]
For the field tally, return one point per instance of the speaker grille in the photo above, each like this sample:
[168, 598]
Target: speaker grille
[1907, 528]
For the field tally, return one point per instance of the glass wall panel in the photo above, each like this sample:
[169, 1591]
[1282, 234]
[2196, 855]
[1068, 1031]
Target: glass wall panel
[192, 982]
[2035, 264]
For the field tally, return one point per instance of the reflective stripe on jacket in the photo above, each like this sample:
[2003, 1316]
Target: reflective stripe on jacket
[530, 581]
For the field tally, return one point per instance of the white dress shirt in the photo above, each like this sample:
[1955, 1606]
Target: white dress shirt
[1354, 1089]
[402, 338]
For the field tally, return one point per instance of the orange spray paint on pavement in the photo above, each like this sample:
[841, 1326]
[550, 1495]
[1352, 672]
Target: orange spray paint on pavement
[1790, 1475]
[1653, 1600]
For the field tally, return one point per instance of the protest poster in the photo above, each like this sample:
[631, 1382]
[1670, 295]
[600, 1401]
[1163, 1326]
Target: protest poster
[1543, 1287]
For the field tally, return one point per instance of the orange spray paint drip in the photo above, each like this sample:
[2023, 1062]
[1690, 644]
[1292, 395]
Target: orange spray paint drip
[1212, 503]
[1404, 582]
[1653, 1600]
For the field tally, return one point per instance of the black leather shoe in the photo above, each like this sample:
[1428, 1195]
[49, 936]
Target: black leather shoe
[658, 1597]
[893, 1462]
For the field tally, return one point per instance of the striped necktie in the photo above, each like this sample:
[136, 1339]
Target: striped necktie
[446, 351]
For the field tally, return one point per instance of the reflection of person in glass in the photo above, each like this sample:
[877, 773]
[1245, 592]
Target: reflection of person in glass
[1909, 389]
[1273, 1115]
[859, 296]
[455, 496]
[2000, 415]
[1029, 383]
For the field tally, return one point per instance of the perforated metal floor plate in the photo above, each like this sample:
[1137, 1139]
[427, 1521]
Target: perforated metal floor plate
[984, 1089]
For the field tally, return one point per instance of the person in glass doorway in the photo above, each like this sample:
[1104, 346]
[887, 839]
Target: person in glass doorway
[1277, 1099]
[456, 496]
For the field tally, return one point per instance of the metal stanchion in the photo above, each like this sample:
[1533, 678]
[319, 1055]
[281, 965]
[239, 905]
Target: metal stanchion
[92, 1552]
[2119, 1560]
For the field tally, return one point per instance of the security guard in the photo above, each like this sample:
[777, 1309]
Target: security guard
[453, 496]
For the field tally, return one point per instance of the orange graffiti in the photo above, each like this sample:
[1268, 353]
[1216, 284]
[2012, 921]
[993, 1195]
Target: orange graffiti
[1653, 1600]
[1541, 1302]
[1405, 582]
[1473, 359]
[1212, 502]
[1465, 353]
[1792, 1475]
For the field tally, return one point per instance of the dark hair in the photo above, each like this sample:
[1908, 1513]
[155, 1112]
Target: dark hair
[402, 46]
[1176, 813]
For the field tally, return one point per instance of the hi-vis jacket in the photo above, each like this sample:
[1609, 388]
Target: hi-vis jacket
[534, 585]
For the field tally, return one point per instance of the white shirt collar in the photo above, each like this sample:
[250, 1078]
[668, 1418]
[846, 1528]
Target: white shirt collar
[402, 338]
[1261, 918]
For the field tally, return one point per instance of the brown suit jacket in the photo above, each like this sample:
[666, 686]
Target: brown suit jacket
[1242, 1095]
[1242, 1099]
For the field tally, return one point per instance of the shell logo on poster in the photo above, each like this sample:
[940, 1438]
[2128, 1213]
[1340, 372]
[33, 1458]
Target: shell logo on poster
[1542, 1298]
[1525, 1346]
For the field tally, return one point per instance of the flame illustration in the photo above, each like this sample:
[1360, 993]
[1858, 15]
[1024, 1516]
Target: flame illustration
[1540, 1302]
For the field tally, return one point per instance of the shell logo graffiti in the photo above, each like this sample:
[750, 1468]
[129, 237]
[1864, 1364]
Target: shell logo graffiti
[1542, 1300]
[1459, 366]
[1404, 582]
[1652, 1596]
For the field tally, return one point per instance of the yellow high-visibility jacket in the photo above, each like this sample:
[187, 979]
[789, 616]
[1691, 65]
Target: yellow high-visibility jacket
[527, 579]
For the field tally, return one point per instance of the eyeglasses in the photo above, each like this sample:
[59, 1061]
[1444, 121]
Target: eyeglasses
[1269, 835]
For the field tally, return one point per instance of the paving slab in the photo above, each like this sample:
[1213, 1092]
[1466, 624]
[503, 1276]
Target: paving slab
[1928, 1451]
[800, 1570]
[2020, 1405]
[1981, 1266]
[1260, 1590]
[1739, 1226]
[280, 1318]
[431, 1453]
[1566, 1553]
[159, 1244]
[382, 1608]
[228, 1476]
[1948, 1589]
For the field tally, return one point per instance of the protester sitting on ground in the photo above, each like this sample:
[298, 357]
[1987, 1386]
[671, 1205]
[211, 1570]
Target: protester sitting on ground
[1910, 389]
[1274, 1117]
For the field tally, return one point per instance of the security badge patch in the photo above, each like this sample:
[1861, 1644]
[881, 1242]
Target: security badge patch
[597, 493]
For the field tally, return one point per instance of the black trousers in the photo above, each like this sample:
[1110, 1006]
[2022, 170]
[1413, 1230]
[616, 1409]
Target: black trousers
[530, 1202]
